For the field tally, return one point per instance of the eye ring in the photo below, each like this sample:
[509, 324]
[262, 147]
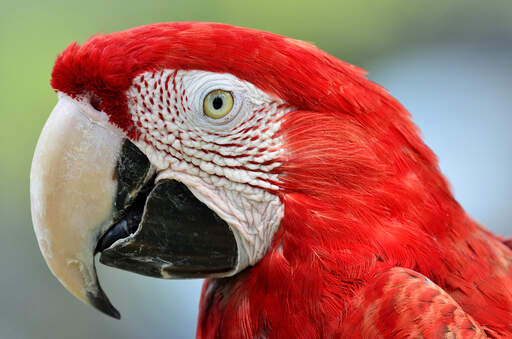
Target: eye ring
[218, 103]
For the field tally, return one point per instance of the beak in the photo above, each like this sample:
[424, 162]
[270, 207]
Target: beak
[92, 190]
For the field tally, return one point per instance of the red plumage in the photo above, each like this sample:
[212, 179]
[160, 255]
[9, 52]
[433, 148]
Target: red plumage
[368, 215]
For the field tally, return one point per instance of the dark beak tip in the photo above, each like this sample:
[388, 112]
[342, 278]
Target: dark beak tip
[101, 303]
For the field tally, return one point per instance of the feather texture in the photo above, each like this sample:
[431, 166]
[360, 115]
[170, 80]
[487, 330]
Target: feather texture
[359, 202]
[402, 303]
[372, 242]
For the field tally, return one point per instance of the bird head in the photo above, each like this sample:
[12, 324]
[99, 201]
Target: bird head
[178, 150]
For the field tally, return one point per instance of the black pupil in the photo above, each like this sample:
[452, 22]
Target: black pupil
[217, 102]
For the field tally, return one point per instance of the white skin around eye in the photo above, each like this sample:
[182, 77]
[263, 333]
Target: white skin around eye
[227, 163]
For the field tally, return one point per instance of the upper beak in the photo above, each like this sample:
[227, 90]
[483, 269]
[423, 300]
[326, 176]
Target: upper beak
[91, 190]
[72, 187]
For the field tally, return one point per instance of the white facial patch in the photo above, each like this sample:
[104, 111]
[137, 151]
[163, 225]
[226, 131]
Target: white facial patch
[228, 163]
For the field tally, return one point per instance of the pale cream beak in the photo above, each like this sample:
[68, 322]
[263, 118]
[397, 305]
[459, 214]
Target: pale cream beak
[72, 189]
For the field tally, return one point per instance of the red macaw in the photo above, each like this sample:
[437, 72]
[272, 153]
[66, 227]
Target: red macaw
[299, 188]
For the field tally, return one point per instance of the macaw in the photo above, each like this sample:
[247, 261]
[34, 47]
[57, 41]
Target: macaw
[298, 188]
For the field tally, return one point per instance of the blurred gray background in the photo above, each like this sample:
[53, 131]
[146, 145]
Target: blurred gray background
[448, 62]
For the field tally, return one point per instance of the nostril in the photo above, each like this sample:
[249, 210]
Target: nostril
[95, 102]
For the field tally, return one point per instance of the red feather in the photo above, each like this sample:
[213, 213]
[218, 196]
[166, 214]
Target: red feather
[402, 303]
[362, 194]
[106, 65]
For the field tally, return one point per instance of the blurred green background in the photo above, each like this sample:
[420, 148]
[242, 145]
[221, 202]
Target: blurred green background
[449, 62]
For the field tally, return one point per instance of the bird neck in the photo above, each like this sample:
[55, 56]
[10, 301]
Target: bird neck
[326, 249]
[359, 197]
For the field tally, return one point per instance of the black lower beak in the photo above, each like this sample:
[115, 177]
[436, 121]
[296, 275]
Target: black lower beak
[177, 236]
[166, 232]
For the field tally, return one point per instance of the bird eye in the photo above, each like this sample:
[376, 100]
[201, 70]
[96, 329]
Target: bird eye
[218, 103]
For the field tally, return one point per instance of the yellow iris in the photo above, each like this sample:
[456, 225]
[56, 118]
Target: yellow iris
[218, 103]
